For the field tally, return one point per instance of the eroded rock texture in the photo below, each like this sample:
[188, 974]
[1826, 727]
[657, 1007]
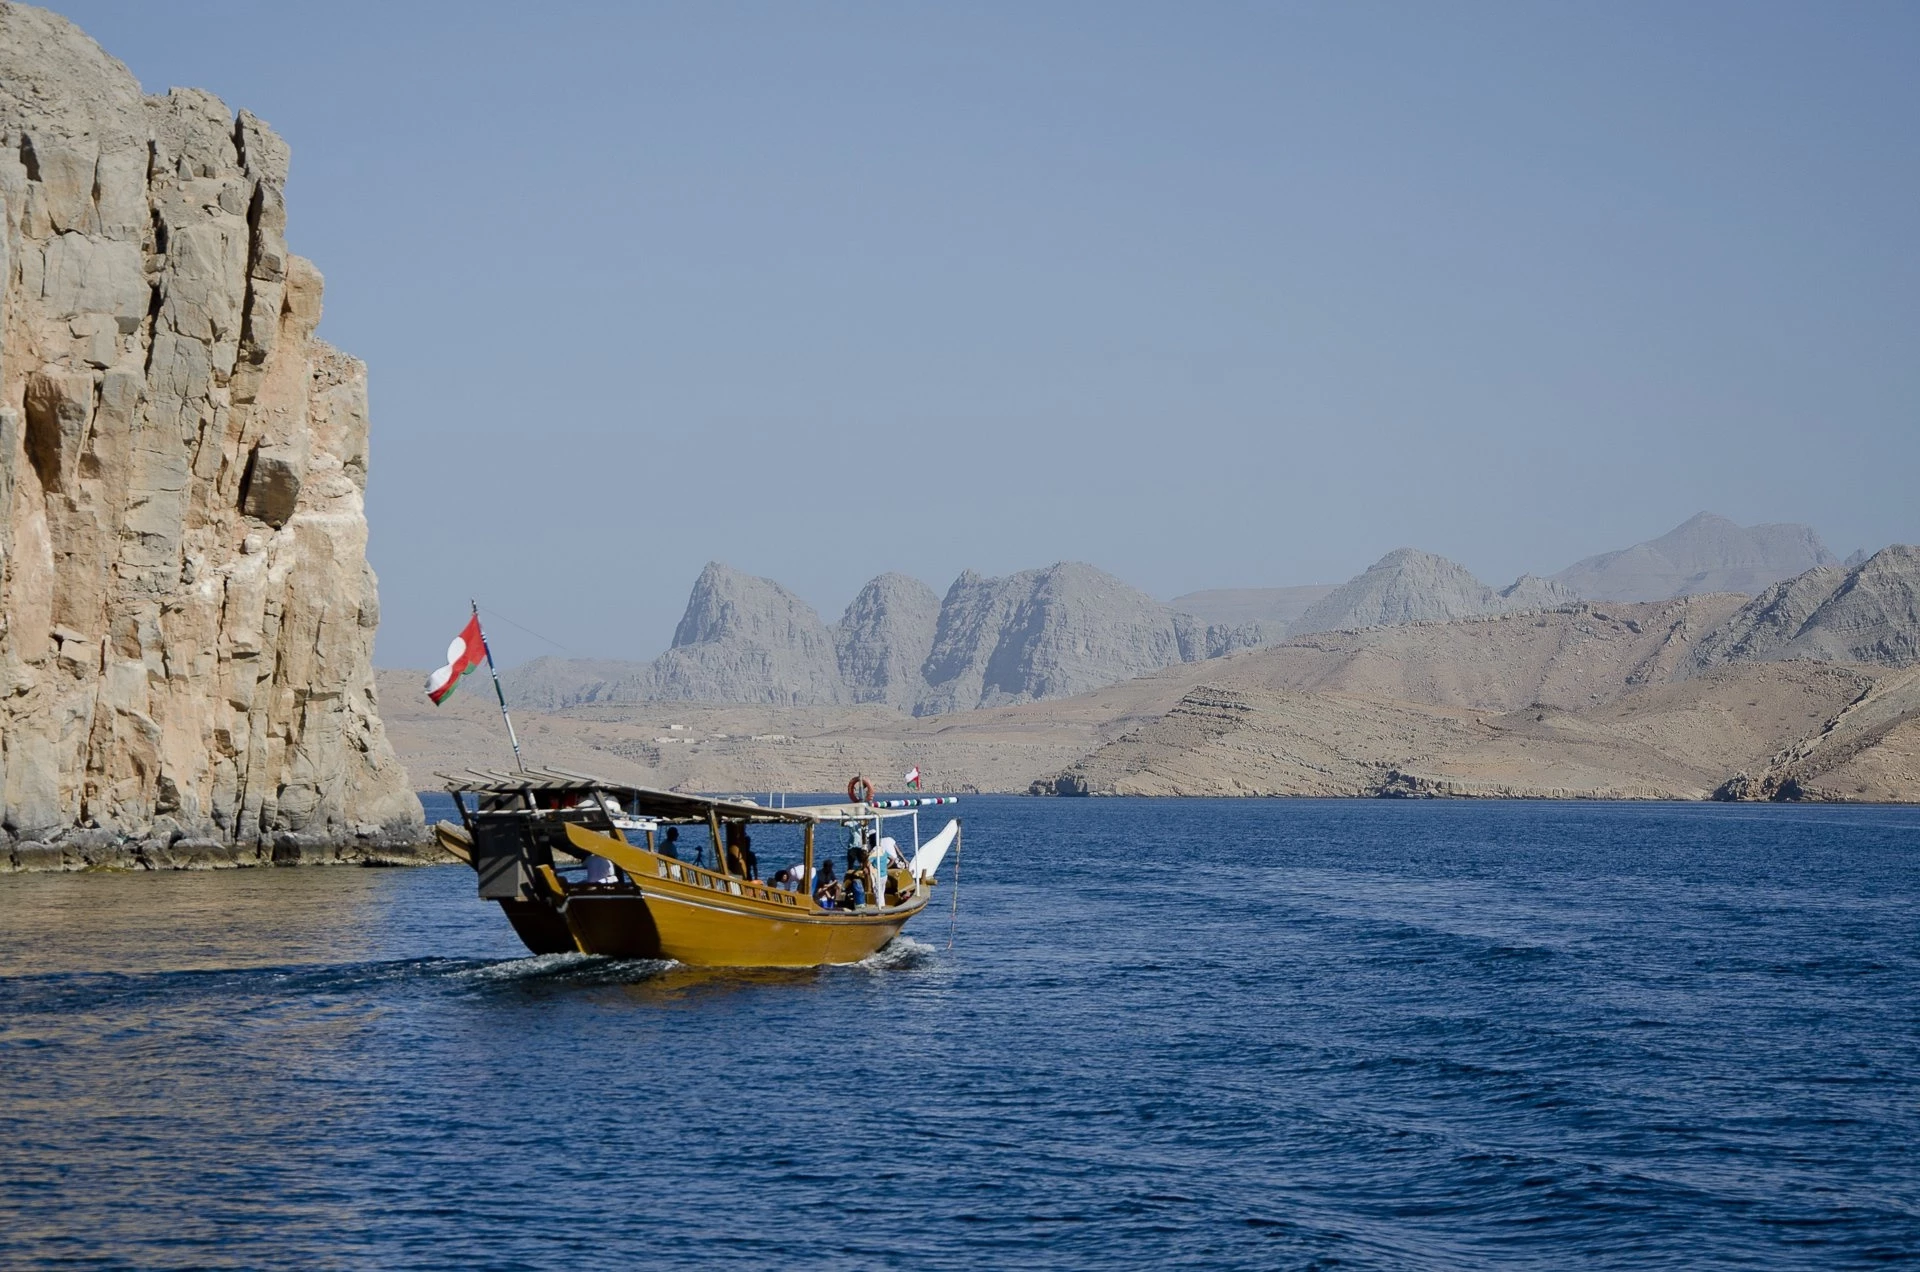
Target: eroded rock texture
[188, 613]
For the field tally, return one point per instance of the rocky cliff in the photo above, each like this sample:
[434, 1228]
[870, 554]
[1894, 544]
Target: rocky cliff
[188, 614]
[1867, 614]
[1706, 553]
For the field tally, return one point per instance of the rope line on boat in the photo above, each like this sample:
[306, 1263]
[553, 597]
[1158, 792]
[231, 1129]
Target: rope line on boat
[953, 919]
[494, 613]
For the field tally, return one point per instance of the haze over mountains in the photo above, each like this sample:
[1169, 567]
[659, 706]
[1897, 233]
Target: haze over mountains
[1047, 633]
[1054, 632]
[1706, 553]
[1809, 691]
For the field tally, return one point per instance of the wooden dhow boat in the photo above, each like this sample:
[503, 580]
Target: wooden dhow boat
[580, 865]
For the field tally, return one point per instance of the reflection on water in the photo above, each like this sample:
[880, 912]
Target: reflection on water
[1371, 1035]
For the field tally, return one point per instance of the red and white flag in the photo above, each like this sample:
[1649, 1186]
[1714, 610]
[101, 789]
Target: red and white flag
[913, 777]
[468, 650]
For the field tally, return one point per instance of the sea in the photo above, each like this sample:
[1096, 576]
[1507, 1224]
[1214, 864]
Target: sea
[1128, 1033]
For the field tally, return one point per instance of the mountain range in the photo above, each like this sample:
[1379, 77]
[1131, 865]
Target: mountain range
[1058, 631]
[1045, 633]
[1810, 690]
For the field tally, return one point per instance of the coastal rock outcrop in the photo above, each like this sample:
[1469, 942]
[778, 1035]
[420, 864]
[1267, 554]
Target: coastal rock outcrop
[188, 612]
[1705, 553]
[1867, 614]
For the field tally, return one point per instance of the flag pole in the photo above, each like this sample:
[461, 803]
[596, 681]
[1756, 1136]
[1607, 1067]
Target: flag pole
[498, 692]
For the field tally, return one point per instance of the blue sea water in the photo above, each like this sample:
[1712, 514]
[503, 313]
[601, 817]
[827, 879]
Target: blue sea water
[1262, 1034]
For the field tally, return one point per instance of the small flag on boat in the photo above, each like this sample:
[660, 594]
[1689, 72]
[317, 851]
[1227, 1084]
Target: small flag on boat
[913, 777]
[467, 651]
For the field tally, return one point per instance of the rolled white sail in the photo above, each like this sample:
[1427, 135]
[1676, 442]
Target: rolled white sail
[934, 851]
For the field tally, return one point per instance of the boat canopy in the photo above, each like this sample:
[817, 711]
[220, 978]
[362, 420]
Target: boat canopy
[558, 788]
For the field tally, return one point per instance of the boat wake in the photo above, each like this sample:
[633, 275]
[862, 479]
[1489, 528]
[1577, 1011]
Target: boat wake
[900, 954]
[568, 969]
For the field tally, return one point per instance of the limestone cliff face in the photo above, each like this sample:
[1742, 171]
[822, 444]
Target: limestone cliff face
[188, 613]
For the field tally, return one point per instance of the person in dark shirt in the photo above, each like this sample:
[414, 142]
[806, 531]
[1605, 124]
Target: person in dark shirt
[670, 846]
[827, 891]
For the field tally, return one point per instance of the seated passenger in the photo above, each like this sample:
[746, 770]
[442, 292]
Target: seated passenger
[670, 846]
[827, 892]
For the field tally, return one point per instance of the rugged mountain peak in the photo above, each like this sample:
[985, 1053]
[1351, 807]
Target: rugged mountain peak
[746, 639]
[1047, 633]
[1404, 586]
[189, 615]
[1705, 553]
[884, 638]
[1867, 614]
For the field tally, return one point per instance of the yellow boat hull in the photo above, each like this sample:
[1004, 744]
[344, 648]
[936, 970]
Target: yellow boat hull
[673, 910]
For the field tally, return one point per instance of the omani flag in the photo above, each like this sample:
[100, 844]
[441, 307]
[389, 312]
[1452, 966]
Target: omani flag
[913, 777]
[466, 652]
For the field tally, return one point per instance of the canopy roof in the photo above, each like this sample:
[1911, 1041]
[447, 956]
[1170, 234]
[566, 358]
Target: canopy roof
[646, 801]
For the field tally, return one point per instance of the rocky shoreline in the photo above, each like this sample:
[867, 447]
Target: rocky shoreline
[96, 849]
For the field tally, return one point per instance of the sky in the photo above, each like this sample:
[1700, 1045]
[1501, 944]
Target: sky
[1206, 294]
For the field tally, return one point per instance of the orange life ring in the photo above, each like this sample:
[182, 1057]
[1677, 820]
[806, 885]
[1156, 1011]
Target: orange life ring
[857, 785]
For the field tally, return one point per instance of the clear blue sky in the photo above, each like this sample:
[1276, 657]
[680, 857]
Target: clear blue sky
[1206, 294]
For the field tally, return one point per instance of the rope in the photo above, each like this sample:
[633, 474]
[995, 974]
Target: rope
[528, 630]
[953, 919]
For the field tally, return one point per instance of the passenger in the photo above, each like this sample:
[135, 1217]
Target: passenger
[827, 891]
[750, 864]
[670, 846]
[883, 859]
[853, 890]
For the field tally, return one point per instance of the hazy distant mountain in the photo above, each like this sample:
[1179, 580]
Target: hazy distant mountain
[1867, 614]
[741, 639]
[1045, 633]
[884, 638]
[1706, 553]
[1270, 607]
[747, 639]
[549, 684]
[1038, 634]
[1404, 586]
[1531, 592]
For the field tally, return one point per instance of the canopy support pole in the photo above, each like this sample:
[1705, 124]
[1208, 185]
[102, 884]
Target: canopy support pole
[719, 849]
[806, 878]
